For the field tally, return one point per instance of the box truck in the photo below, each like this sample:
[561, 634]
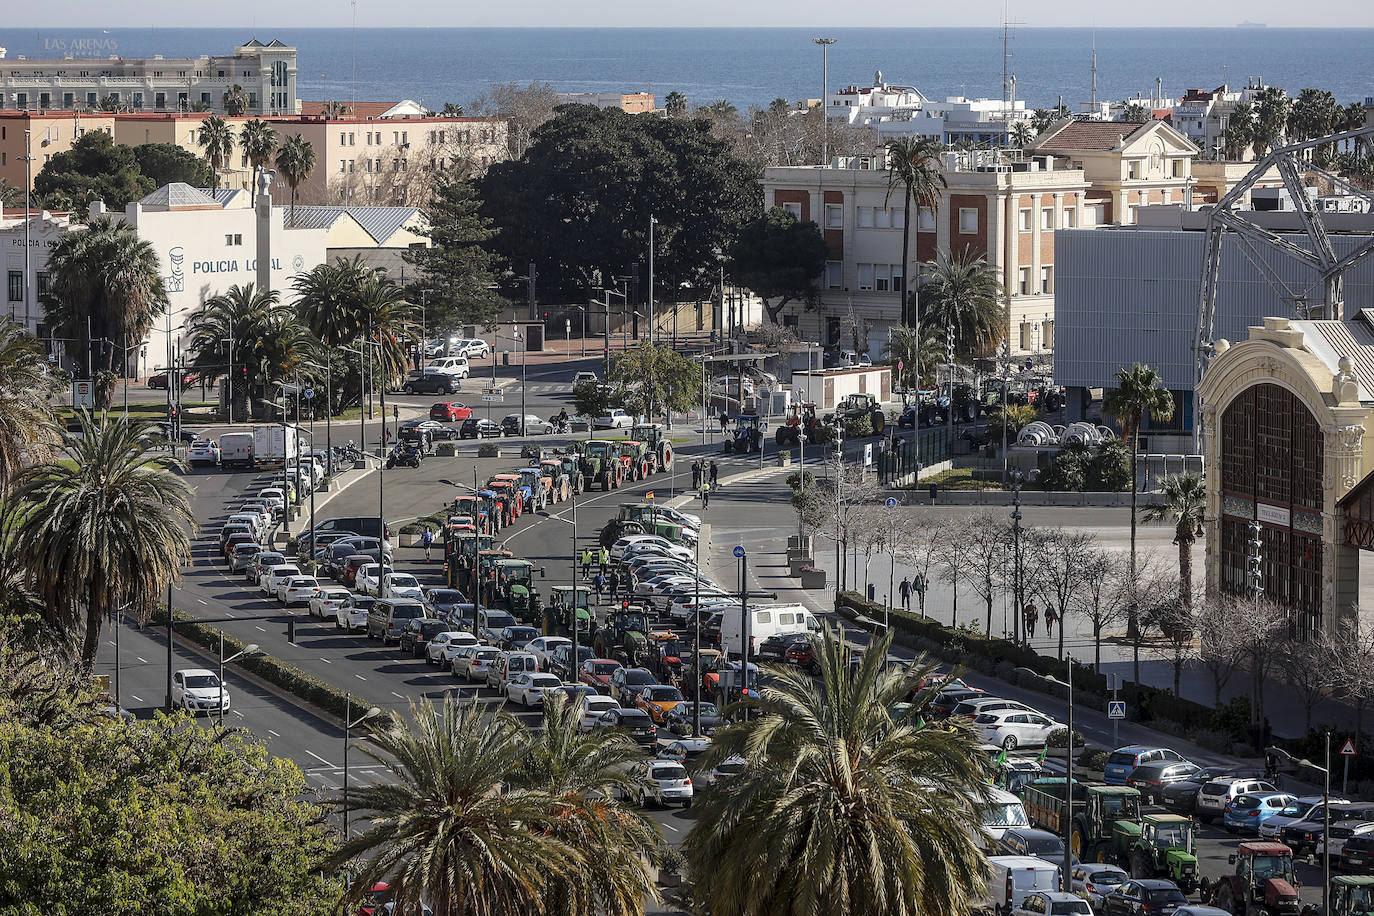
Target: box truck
[274, 444]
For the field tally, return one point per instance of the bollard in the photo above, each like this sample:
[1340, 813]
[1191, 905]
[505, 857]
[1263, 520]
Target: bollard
[291, 630]
[934, 491]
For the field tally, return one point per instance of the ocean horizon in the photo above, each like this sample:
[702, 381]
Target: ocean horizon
[753, 66]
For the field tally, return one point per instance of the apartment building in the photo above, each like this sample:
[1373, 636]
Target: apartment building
[1005, 211]
[42, 135]
[904, 111]
[265, 72]
[632, 102]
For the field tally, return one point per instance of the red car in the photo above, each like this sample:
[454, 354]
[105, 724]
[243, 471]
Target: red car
[596, 673]
[448, 411]
[160, 380]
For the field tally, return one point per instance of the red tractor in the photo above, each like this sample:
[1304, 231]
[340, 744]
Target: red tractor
[1263, 884]
[801, 420]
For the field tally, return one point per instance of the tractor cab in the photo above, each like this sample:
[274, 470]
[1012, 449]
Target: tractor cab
[623, 637]
[748, 434]
[1168, 832]
[1351, 895]
[514, 583]
[562, 600]
[1263, 881]
[800, 420]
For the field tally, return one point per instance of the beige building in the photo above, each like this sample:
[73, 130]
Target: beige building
[633, 102]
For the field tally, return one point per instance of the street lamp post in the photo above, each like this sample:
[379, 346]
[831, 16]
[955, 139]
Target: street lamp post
[696, 640]
[1017, 600]
[1326, 810]
[248, 650]
[349, 724]
[652, 223]
[825, 44]
[573, 594]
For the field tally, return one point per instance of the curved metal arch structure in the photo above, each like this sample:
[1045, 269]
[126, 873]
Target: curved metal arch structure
[1292, 165]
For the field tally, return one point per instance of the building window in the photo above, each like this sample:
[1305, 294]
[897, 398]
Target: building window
[865, 217]
[896, 278]
[1176, 167]
[968, 221]
[865, 276]
[1046, 280]
[228, 238]
[351, 139]
[350, 165]
[16, 286]
[343, 138]
[834, 275]
[793, 208]
[69, 100]
[343, 166]
[238, 238]
[205, 98]
[44, 285]
[21, 100]
[1025, 335]
[1023, 223]
[1048, 333]
[1047, 218]
[45, 100]
[1070, 217]
[395, 165]
[834, 216]
[881, 277]
[138, 100]
[926, 219]
[181, 100]
[1132, 170]
[898, 219]
[1023, 281]
[880, 218]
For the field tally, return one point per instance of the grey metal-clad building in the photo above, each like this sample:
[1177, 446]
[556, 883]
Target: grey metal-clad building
[1130, 294]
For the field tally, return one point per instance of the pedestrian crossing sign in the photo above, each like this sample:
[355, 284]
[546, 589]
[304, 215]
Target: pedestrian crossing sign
[1116, 709]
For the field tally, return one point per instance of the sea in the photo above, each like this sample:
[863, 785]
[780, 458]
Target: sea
[752, 66]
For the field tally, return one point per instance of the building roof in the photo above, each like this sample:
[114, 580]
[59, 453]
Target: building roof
[379, 222]
[1072, 136]
[365, 110]
[1331, 340]
[228, 198]
[179, 196]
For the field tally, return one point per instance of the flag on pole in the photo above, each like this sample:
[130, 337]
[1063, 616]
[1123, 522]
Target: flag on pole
[649, 495]
[1002, 757]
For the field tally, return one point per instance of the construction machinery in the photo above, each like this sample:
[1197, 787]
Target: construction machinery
[639, 518]
[1096, 811]
[600, 464]
[656, 440]
[1262, 884]
[563, 600]
[1350, 895]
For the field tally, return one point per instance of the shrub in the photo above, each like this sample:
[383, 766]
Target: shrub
[445, 450]
[488, 450]
[1060, 738]
[1069, 470]
[794, 479]
[824, 434]
[859, 427]
[1110, 470]
[1095, 759]
[413, 528]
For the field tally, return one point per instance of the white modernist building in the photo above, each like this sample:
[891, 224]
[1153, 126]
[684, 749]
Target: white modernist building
[903, 111]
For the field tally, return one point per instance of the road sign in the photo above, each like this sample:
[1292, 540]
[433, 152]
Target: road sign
[901, 365]
[496, 391]
[1348, 749]
[868, 454]
[309, 393]
[83, 395]
[492, 398]
[739, 550]
[1116, 709]
[890, 502]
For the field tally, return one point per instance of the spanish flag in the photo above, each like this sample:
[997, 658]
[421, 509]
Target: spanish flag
[649, 495]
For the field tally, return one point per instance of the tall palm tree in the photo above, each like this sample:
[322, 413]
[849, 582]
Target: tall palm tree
[10, 196]
[295, 162]
[675, 104]
[381, 304]
[456, 827]
[324, 300]
[106, 525]
[259, 142]
[1139, 395]
[217, 139]
[1185, 502]
[962, 292]
[913, 164]
[27, 423]
[1022, 134]
[848, 803]
[246, 318]
[109, 276]
[235, 101]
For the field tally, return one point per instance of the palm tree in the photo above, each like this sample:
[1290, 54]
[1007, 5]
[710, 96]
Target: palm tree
[963, 293]
[235, 101]
[245, 317]
[456, 826]
[10, 196]
[27, 422]
[217, 139]
[324, 297]
[259, 142]
[913, 163]
[381, 305]
[1185, 502]
[1022, 134]
[109, 276]
[1139, 395]
[675, 104]
[295, 162]
[106, 525]
[848, 803]
[1271, 117]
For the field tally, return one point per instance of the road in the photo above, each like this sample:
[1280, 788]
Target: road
[752, 512]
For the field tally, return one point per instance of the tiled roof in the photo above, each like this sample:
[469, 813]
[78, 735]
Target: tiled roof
[1089, 135]
[348, 109]
[178, 196]
[379, 222]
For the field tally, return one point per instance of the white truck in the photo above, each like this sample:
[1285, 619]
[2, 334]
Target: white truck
[766, 620]
[274, 444]
[1014, 877]
[236, 450]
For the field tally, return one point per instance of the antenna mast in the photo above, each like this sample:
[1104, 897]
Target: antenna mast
[1092, 99]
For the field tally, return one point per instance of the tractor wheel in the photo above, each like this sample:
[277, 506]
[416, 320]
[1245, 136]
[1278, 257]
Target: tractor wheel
[1104, 854]
[643, 468]
[1226, 900]
[665, 456]
[605, 480]
[1077, 842]
[1141, 866]
[879, 421]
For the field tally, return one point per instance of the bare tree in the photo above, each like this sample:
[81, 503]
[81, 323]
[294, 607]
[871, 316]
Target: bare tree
[1262, 632]
[922, 547]
[1221, 648]
[1311, 668]
[1061, 570]
[956, 560]
[1353, 670]
[989, 550]
[1147, 590]
[854, 493]
[1178, 629]
[523, 107]
[1101, 600]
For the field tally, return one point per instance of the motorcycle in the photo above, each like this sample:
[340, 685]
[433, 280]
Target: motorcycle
[402, 456]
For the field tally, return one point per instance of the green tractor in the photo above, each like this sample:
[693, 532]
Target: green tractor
[558, 619]
[600, 464]
[623, 638]
[639, 518]
[1096, 811]
[1351, 895]
[514, 581]
[460, 555]
[854, 406]
[1158, 845]
[659, 445]
[571, 465]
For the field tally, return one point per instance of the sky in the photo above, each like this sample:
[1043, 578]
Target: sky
[699, 13]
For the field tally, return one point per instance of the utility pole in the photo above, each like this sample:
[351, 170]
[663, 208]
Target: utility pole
[652, 223]
[530, 281]
[825, 44]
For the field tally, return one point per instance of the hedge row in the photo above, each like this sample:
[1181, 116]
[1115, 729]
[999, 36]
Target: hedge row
[271, 669]
[1005, 659]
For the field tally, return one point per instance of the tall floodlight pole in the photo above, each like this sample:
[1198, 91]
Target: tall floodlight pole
[825, 44]
[653, 221]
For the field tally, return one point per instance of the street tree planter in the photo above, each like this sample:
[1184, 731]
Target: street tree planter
[326, 485]
[796, 565]
[408, 539]
[445, 450]
[359, 465]
[812, 578]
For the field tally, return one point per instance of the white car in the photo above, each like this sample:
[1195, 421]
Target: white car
[585, 377]
[665, 782]
[457, 639]
[1341, 831]
[199, 690]
[434, 649]
[590, 708]
[257, 508]
[1059, 903]
[682, 607]
[326, 601]
[369, 577]
[470, 347]
[976, 706]
[243, 555]
[203, 451]
[1213, 797]
[274, 576]
[1012, 728]
[352, 614]
[649, 549]
[678, 517]
[529, 689]
[274, 497]
[479, 665]
[615, 418]
[297, 590]
[454, 366]
[1294, 811]
[543, 647]
[534, 426]
[400, 585]
[263, 562]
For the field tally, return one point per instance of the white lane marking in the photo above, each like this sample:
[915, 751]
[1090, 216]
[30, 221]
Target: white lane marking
[671, 827]
[360, 677]
[228, 613]
[325, 660]
[109, 642]
[397, 695]
[139, 699]
[237, 713]
[319, 758]
[273, 734]
[261, 630]
[141, 658]
[203, 601]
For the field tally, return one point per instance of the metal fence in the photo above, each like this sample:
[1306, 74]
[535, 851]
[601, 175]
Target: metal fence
[901, 458]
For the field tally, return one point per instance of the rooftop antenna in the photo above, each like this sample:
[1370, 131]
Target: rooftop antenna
[1007, 78]
[354, 81]
[1092, 98]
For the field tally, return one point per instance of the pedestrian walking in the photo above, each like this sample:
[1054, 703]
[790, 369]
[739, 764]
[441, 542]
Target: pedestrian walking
[587, 563]
[1032, 617]
[706, 495]
[715, 473]
[604, 560]
[599, 584]
[724, 422]
[904, 587]
[428, 540]
[696, 475]
[615, 587]
[1050, 617]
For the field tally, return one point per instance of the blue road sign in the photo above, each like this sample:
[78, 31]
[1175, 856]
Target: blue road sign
[890, 502]
[1116, 709]
[739, 550]
[309, 393]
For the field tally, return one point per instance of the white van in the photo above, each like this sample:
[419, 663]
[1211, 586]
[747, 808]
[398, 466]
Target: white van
[1014, 877]
[1002, 812]
[768, 620]
[456, 366]
[236, 450]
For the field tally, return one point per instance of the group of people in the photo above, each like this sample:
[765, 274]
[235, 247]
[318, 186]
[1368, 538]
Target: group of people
[704, 479]
[596, 569]
[1030, 616]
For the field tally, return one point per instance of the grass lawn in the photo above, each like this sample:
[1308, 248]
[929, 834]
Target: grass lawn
[959, 479]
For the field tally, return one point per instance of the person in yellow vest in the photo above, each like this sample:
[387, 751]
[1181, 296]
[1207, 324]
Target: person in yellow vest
[604, 558]
[586, 563]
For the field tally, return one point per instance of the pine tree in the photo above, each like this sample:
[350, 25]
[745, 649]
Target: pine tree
[458, 271]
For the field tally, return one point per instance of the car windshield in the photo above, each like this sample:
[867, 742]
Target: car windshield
[1122, 758]
[446, 596]
[201, 681]
[1215, 788]
[407, 611]
[1166, 895]
[1106, 877]
[635, 719]
[545, 680]
[486, 654]
[1296, 809]
[1115, 806]
[403, 580]
[605, 668]
[498, 619]
[1173, 836]
[663, 694]
[639, 676]
[1046, 847]
[1007, 814]
[730, 768]
[1068, 907]
[705, 709]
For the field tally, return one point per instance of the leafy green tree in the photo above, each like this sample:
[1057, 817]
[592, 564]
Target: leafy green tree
[1015, 417]
[592, 399]
[675, 104]
[1068, 472]
[165, 163]
[1139, 395]
[250, 318]
[913, 165]
[1135, 114]
[217, 139]
[778, 256]
[849, 801]
[962, 292]
[181, 820]
[451, 110]
[295, 162]
[95, 168]
[27, 422]
[10, 196]
[1184, 503]
[655, 379]
[1110, 469]
[109, 277]
[579, 201]
[458, 270]
[1271, 118]
[103, 527]
[259, 142]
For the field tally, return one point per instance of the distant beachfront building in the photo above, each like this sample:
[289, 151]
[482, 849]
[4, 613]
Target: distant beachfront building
[265, 72]
[633, 102]
[903, 111]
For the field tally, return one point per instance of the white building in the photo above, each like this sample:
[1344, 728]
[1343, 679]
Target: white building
[903, 111]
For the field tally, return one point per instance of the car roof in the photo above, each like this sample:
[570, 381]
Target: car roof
[1032, 832]
[1156, 884]
[196, 671]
